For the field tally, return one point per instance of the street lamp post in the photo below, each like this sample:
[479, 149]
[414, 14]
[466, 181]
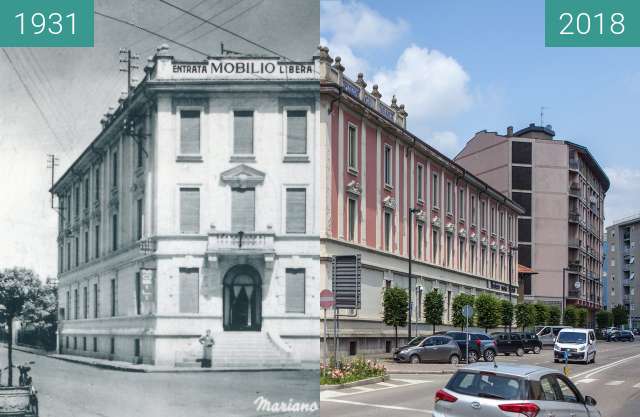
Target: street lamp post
[564, 297]
[411, 212]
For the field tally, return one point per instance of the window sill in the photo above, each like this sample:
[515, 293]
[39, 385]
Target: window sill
[242, 158]
[388, 187]
[352, 171]
[296, 158]
[189, 158]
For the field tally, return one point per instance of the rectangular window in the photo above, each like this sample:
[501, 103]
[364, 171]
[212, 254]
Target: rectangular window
[68, 256]
[492, 265]
[86, 246]
[76, 200]
[449, 197]
[86, 192]
[136, 347]
[76, 305]
[112, 348]
[472, 260]
[296, 210]
[114, 232]
[97, 184]
[449, 250]
[352, 219]
[67, 341]
[68, 312]
[84, 343]
[243, 209]
[189, 290]
[190, 132]
[420, 239]
[85, 302]
[114, 298]
[114, 169]
[138, 290]
[501, 266]
[461, 254]
[353, 147]
[483, 215]
[243, 132]
[387, 231]
[521, 178]
[97, 242]
[419, 179]
[520, 152]
[75, 343]
[461, 207]
[510, 228]
[297, 132]
[474, 218]
[189, 210]
[524, 199]
[96, 301]
[435, 189]
[483, 260]
[139, 151]
[501, 225]
[95, 344]
[295, 290]
[492, 219]
[76, 247]
[387, 165]
[524, 230]
[139, 219]
[434, 245]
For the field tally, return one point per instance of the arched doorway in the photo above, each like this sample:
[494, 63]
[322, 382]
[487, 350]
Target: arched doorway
[242, 304]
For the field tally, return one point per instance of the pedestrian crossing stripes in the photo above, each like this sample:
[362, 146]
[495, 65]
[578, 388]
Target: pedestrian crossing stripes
[614, 383]
[608, 383]
[390, 384]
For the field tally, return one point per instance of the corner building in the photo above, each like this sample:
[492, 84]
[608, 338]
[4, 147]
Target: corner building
[373, 172]
[195, 208]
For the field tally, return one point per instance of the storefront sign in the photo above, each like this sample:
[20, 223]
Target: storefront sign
[146, 278]
[236, 68]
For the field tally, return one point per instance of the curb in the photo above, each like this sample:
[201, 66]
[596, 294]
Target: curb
[407, 372]
[367, 381]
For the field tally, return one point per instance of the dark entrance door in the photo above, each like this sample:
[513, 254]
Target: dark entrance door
[242, 299]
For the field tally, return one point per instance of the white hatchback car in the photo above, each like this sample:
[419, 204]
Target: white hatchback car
[577, 344]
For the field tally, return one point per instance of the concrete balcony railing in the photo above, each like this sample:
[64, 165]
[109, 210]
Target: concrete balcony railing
[626, 282]
[574, 217]
[626, 298]
[574, 294]
[626, 267]
[234, 242]
[574, 164]
[574, 243]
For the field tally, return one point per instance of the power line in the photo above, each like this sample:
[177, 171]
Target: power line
[26, 87]
[248, 9]
[211, 17]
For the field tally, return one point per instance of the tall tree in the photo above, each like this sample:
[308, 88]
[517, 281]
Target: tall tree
[542, 314]
[487, 311]
[459, 301]
[40, 314]
[604, 319]
[581, 317]
[506, 314]
[433, 308]
[554, 315]
[571, 316]
[525, 315]
[18, 286]
[396, 307]
[620, 315]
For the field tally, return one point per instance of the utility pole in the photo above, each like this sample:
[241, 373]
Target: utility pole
[52, 163]
[126, 58]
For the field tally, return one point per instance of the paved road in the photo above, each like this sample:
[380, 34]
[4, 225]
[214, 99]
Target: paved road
[73, 390]
[614, 381]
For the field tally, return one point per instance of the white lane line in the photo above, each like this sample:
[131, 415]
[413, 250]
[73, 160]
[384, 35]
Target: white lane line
[409, 381]
[388, 407]
[615, 383]
[592, 372]
[364, 389]
[637, 385]
[385, 386]
[586, 380]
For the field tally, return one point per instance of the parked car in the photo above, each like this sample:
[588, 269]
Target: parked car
[625, 336]
[484, 389]
[578, 344]
[531, 342]
[636, 331]
[431, 349]
[413, 342]
[548, 334]
[509, 343]
[482, 345]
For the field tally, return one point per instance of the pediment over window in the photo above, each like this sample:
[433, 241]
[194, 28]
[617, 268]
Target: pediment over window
[242, 176]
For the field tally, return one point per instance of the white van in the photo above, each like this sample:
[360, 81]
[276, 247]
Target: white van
[547, 334]
[579, 345]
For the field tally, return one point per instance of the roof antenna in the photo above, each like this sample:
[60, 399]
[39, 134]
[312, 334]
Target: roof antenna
[542, 109]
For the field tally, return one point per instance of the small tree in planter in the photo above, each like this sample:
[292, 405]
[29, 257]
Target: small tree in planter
[487, 311]
[581, 317]
[604, 319]
[620, 315]
[459, 301]
[571, 316]
[525, 315]
[542, 314]
[396, 307]
[433, 308]
[506, 313]
[554, 316]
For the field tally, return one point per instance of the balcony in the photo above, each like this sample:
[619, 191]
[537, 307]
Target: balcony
[626, 267]
[626, 298]
[574, 217]
[626, 251]
[574, 243]
[626, 282]
[575, 190]
[574, 265]
[240, 243]
[574, 294]
[574, 164]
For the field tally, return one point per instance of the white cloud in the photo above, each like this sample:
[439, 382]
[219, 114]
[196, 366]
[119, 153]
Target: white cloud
[353, 64]
[623, 198]
[355, 24]
[433, 86]
[446, 142]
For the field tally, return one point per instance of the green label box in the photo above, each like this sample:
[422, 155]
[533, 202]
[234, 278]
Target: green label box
[592, 23]
[46, 23]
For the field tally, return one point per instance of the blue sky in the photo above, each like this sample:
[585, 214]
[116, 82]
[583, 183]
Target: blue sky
[495, 71]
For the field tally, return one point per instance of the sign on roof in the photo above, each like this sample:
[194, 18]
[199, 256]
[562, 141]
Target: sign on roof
[235, 69]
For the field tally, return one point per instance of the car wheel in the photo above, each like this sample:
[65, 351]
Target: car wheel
[593, 360]
[556, 361]
[414, 359]
[507, 354]
[537, 349]
[520, 352]
[473, 356]
[489, 355]
[454, 360]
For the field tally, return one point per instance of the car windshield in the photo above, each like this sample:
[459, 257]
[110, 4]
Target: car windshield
[416, 341]
[486, 384]
[572, 337]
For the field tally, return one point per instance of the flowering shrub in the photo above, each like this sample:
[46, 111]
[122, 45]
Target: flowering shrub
[349, 371]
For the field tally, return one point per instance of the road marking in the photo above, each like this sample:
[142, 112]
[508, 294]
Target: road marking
[637, 385]
[587, 380]
[380, 386]
[363, 389]
[388, 407]
[410, 381]
[599, 369]
[386, 384]
[615, 383]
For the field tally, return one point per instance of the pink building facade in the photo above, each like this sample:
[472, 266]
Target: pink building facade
[374, 173]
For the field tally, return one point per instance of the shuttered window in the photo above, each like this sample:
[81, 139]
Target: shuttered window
[243, 132]
[189, 283]
[297, 132]
[296, 210]
[243, 210]
[189, 132]
[114, 298]
[295, 293]
[189, 210]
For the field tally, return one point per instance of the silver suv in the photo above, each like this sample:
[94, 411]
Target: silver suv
[496, 390]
